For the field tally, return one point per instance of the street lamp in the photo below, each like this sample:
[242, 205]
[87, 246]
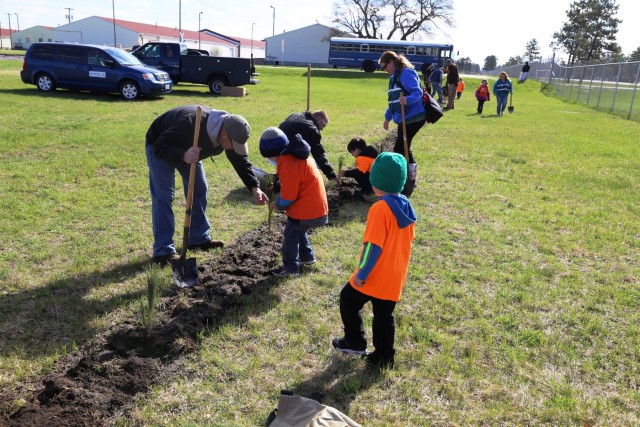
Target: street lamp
[199, 15]
[10, 39]
[18, 21]
[273, 29]
[252, 39]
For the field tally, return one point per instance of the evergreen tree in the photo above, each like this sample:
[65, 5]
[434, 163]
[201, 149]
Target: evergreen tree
[490, 63]
[635, 55]
[532, 50]
[590, 31]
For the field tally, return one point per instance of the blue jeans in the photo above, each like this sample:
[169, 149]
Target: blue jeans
[295, 244]
[502, 103]
[162, 183]
[437, 88]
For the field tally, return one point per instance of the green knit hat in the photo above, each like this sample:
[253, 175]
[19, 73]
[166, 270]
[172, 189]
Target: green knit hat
[389, 172]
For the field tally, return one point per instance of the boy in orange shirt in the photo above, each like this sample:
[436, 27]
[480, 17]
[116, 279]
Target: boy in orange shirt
[365, 155]
[460, 88]
[382, 270]
[302, 196]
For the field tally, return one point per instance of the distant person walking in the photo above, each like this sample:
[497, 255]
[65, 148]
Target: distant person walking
[460, 88]
[426, 74]
[435, 82]
[501, 89]
[524, 73]
[483, 95]
[453, 78]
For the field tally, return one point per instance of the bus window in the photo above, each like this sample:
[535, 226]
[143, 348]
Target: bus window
[411, 50]
[364, 48]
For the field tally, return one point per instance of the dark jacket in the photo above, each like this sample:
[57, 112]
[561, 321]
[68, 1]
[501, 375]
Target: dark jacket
[452, 74]
[171, 135]
[305, 125]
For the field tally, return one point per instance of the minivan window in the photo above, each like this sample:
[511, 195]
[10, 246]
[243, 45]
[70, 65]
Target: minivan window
[71, 54]
[42, 51]
[124, 57]
[97, 57]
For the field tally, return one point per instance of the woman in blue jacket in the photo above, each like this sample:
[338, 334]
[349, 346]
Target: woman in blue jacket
[404, 89]
[501, 89]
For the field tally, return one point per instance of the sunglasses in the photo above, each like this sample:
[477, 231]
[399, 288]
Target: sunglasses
[384, 65]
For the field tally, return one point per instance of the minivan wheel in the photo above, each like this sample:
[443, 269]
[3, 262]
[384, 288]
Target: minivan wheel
[45, 82]
[129, 90]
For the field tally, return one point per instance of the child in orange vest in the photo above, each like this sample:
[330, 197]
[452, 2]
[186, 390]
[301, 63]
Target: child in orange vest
[302, 196]
[483, 94]
[382, 270]
[460, 88]
[365, 155]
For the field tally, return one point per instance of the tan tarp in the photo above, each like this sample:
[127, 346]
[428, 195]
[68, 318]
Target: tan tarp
[296, 411]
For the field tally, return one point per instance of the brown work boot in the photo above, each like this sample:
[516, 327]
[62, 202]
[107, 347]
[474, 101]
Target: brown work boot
[208, 245]
[165, 259]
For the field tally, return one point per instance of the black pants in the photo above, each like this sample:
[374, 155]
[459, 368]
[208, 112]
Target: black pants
[363, 181]
[412, 130]
[384, 324]
[480, 105]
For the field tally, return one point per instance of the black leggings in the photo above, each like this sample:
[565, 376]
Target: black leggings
[384, 324]
[412, 130]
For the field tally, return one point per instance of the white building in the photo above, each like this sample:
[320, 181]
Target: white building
[25, 38]
[126, 34]
[306, 45]
[5, 38]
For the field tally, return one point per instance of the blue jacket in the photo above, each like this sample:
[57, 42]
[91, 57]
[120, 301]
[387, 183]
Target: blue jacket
[436, 76]
[414, 110]
[502, 88]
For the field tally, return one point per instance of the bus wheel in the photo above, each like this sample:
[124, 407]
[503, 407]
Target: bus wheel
[368, 66]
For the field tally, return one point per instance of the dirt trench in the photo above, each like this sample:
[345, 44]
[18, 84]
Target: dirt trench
[101, 379]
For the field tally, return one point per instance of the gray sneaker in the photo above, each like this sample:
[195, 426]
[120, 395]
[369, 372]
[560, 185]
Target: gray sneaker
[341, 344]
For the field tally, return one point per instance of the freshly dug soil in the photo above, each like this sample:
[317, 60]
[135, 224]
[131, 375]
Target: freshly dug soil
[100, 380]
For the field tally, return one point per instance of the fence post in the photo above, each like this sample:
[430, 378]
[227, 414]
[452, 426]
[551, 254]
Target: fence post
[580, 84]
[604, 69]
[571, 82]
[615, 91]
[593, 70]
[633, 95]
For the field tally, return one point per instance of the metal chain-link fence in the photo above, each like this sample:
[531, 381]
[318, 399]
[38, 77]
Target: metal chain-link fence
[609, 87]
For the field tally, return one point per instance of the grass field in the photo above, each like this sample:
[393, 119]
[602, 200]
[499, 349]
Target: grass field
[522, 304]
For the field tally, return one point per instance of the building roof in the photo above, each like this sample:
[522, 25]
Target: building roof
[205, 35]
[4, 32]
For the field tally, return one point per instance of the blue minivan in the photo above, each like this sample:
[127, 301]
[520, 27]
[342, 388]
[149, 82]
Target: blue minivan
[93, 68]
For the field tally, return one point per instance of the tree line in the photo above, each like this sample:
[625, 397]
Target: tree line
[587, 35]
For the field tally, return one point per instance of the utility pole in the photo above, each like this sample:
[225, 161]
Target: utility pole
[18, 21]
[113, 7]
[10, 41]
[69, 17]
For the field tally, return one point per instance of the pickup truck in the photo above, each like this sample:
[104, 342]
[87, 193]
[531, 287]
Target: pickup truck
[185, 66]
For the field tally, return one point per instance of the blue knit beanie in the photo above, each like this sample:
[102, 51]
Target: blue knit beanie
[273, 142]
[389, 172]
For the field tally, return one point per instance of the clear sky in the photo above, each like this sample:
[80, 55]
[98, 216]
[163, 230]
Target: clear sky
[482, 28]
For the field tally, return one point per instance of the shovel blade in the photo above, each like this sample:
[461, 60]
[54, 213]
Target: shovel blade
[185, 272]
[510, 110]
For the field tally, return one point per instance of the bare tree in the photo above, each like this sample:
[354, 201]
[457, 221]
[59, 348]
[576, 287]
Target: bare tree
[392, 19]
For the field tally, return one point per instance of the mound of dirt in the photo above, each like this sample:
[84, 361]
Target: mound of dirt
[101, 379]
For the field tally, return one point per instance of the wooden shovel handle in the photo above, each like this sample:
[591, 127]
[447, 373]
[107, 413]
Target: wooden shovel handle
[404, 134]
[190, 190]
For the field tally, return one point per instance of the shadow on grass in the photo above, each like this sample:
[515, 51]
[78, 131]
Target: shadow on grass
[76, 95]
[59, 315]
[340, 383]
